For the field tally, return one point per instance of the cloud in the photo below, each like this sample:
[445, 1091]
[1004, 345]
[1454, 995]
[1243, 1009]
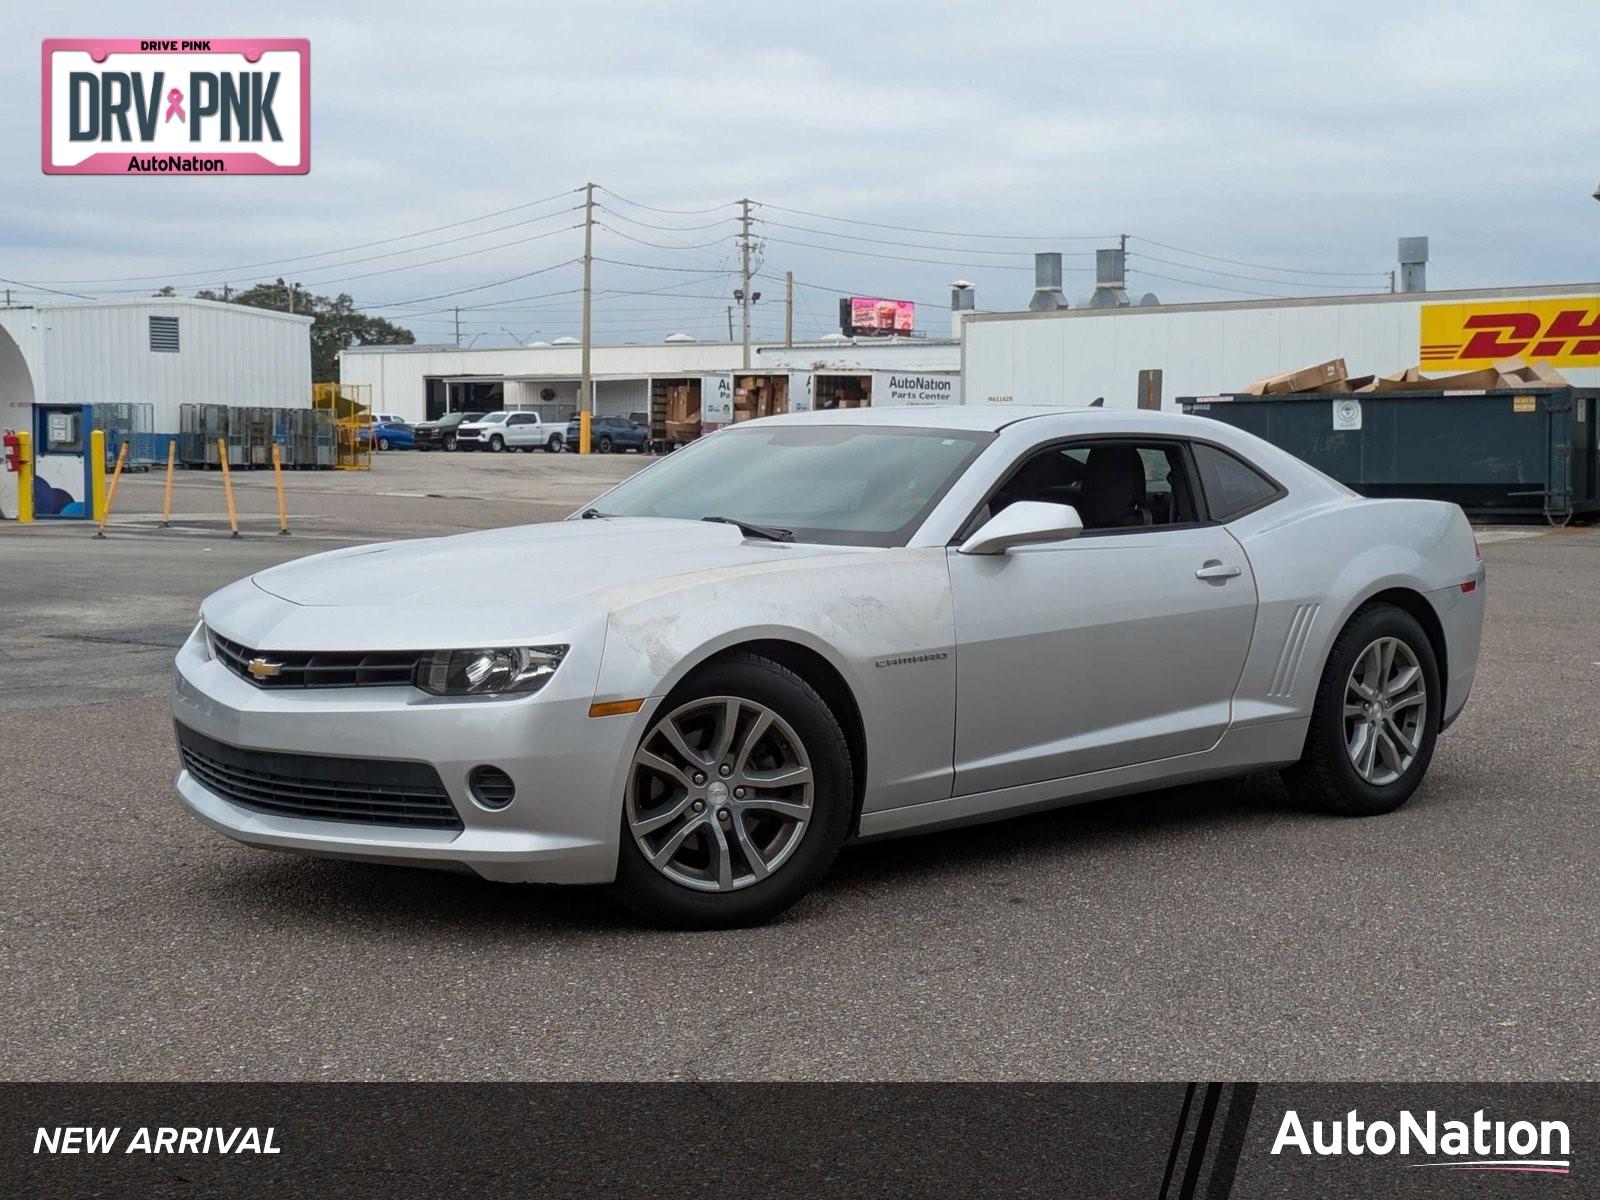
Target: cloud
[1270, 133]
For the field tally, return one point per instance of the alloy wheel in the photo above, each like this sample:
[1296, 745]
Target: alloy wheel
[1385, 711]
[721, 794]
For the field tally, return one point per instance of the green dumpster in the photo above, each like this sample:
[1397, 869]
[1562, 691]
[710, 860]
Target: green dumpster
[1501, 453]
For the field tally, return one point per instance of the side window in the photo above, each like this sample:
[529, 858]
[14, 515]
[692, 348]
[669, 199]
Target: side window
[1233, 487]
[1113, 484]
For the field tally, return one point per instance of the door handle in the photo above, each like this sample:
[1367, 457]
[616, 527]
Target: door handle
[1217, 570]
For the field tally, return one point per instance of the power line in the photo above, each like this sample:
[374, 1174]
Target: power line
[341, 250]
[1000, 237]
[481, 287]
[1206, 283]
[1233, 262]
[932, 262]
[675, 212]
[917, 245]
[1234, 274]
[628, 237]
[39, 287]
[669, 228]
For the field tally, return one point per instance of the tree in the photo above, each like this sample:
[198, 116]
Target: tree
[336, 324]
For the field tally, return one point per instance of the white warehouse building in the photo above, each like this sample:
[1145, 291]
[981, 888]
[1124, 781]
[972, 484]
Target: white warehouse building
[417, 383]
[1156, 353]
[164, 352]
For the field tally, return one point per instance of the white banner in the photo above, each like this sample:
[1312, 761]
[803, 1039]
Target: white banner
[716, 399]
[891, 389]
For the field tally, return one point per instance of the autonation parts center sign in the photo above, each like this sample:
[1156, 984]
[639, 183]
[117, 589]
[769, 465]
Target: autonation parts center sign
[131, 106]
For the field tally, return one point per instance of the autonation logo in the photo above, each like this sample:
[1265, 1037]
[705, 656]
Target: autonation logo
[1475, 1145]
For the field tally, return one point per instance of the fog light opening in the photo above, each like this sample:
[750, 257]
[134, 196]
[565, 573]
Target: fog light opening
[491, 787]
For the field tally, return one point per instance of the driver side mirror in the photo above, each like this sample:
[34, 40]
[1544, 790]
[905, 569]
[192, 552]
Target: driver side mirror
[1024, 523]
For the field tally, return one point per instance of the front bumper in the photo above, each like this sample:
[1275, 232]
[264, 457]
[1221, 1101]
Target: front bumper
[569, 769]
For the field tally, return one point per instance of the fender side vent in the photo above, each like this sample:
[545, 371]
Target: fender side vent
[1294, 649]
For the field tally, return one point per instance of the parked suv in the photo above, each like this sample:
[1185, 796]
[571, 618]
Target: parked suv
[610, 433]
[441, 434]
[508, 431]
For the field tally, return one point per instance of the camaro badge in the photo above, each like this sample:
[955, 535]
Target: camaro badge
[260, 668]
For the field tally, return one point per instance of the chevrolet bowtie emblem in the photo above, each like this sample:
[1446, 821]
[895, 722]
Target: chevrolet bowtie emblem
[260, 668]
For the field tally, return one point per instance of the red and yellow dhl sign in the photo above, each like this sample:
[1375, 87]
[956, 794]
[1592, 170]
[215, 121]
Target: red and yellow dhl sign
[1563, 333]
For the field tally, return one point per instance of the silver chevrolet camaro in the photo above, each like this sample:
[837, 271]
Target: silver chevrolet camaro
[830, 626]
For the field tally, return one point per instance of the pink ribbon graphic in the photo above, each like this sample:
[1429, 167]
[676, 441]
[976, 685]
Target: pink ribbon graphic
[175, 106]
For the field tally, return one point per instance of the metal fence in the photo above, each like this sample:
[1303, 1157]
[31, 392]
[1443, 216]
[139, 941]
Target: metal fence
[306, 437]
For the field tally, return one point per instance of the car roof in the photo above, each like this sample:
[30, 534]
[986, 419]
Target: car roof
[988, 418]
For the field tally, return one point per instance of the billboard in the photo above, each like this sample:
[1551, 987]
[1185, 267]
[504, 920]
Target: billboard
[1463, 337]
[873, 316]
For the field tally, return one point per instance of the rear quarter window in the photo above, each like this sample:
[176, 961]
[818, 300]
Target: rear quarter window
[1232, 486]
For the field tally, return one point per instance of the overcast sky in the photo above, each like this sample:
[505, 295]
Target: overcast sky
[1278, 135]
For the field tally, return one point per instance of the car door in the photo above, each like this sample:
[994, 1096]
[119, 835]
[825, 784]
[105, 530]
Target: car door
[519, 430]
[1119, 647]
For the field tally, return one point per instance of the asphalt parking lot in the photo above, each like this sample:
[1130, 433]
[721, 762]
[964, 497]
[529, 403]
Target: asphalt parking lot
[1209, 931]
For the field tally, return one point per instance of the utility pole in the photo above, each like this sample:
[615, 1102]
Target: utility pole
[730, 322]
[744, 270]
[8, 297]
[291, 297]
[788, 308]
[586, 396]
[457, 311]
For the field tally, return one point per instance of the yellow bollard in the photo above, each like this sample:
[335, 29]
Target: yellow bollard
[227, 486]
[277, 478]
[97, 475]
[24, 478]
[111, 498]
[166, 503]
[583, 432]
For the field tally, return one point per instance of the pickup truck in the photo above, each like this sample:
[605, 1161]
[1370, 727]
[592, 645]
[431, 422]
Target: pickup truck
[507, 430]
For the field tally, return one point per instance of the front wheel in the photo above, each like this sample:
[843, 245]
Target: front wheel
[738, 799]
[1376, 717]
[383, 443]
[497, 443]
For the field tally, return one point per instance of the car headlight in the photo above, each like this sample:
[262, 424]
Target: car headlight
[521, 670]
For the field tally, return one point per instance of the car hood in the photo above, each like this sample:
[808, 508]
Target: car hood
[524, 566]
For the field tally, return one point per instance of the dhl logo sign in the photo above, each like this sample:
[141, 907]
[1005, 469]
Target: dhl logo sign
[1563, 333]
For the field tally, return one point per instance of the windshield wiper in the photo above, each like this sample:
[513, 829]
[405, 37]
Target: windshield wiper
[590, 513]
[771, 532]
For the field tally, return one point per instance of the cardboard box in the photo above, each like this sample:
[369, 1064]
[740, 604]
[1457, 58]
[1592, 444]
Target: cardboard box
[1304, 380]
[683, 431]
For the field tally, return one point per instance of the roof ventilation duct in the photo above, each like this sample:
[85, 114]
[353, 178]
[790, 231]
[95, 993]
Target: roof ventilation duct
[1110, 277]
[1047, 295]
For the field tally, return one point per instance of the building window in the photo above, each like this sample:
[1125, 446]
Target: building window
[164, 334]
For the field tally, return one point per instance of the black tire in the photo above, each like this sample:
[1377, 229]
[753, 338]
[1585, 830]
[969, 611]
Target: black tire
[605, 445]
[553, 446]
[1325, 778]
[383, 443]
[661, 901]
[450, 441]
[497, 443]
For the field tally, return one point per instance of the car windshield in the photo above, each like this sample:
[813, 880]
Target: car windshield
[837, 484]
[493, 418]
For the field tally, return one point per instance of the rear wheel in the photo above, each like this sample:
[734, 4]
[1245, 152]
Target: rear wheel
[553, 446]
[1376, 717]
[383, 443]
[450, 441]
[605, 445]
[738, 800]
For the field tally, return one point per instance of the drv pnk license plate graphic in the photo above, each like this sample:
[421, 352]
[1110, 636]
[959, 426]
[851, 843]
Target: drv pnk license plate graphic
[163, 106]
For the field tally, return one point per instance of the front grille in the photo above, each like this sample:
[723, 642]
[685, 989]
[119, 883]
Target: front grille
[318, 668]
[366, 791]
